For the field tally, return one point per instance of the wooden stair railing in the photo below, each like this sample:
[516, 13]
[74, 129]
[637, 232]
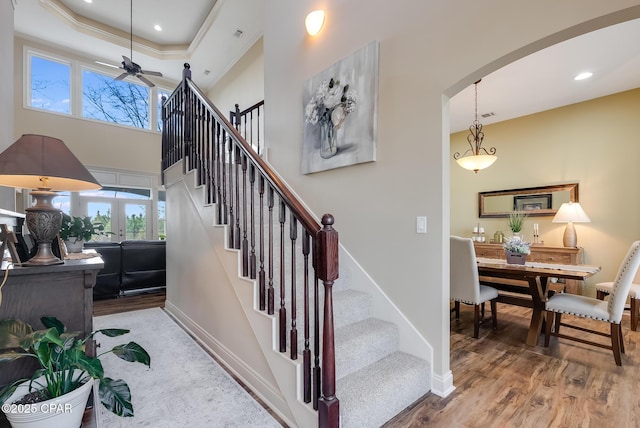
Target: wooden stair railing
[195, 132]
[250, 124]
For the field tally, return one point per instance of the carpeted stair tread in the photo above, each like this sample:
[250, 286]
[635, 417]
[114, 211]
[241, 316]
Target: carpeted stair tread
[363, 343]
[378, 392]
[349, 306]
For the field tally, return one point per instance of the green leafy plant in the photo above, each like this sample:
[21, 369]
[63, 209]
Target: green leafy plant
[516, 220]
[80, 227]
[64, 362]
[516, 245]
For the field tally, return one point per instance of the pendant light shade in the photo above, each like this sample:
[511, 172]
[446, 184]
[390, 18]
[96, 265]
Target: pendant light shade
[476, 157]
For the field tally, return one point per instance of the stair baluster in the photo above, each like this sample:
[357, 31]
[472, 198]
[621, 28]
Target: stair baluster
[195, 132]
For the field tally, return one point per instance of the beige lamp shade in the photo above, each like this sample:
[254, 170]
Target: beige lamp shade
[38, 161]
[477, 162]
[570, 212]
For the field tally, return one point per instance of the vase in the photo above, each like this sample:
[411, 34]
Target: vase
[74, 244]
[65, 411]
[328, 143]
[514, 258]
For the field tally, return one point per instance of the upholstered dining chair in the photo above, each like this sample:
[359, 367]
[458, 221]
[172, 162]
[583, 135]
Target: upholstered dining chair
[465, 283]
[588, 307]
[603, 289]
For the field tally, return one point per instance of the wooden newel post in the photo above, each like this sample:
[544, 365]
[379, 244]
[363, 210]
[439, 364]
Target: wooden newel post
[327, 271]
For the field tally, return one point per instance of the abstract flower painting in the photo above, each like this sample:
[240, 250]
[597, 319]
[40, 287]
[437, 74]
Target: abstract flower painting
[340, 113]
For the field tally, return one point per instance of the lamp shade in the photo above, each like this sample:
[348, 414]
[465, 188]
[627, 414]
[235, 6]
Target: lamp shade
[477, 162]
[38, 161]
[571, 212]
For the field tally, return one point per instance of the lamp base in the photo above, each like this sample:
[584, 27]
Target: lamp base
[570, 239]
[44, 222]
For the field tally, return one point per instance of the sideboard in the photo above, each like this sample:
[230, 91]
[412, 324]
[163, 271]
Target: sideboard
[542, 254]
[64, 291]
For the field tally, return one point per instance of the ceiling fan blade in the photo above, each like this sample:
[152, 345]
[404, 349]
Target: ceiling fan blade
[145, 80]
[108, 65]
[122, 76]
[127, 61]
[151, 73]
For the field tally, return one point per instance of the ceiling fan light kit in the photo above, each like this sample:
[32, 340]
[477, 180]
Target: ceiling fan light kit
[131, 68]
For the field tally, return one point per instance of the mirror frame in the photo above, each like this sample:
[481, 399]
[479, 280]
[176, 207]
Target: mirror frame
[528, 191]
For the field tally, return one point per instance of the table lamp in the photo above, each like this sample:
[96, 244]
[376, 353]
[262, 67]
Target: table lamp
[48, 166]
[570, 212]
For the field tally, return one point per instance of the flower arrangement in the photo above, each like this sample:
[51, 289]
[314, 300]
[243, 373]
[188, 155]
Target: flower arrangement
[329, 107]
[516, 220]
[331, 102]
[515, 244]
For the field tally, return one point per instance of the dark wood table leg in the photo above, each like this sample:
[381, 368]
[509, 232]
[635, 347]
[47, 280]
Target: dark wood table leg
[538, 288]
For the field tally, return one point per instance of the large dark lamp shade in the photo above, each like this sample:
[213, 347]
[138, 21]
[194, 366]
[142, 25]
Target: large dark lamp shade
[46, 165]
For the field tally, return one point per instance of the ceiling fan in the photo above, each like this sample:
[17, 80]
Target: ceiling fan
[131, 68]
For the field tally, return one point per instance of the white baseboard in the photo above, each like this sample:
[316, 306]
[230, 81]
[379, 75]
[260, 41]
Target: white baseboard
[442, 385]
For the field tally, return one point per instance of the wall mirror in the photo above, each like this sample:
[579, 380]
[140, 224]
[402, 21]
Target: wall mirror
[535, 201]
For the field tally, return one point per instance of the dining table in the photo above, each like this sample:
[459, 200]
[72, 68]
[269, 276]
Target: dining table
[528, 285]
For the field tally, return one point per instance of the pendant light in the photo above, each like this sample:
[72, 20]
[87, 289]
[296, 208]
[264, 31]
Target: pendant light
[473, 158]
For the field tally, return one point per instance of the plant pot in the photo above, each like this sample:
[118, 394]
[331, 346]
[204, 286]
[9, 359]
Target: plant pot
[514, 258]
[65, 411]
[74, 244]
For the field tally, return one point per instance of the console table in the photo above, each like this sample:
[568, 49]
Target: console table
[542, 254]
[64, 291]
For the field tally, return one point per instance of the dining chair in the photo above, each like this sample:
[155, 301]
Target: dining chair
[465, 283]
[589, 307]
[603, 289]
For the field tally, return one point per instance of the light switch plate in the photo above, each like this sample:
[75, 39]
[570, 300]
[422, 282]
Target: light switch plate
[421, 224]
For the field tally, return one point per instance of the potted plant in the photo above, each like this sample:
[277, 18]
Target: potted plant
[516, 250]
[516, 221]
[66, 371]
[75, 231]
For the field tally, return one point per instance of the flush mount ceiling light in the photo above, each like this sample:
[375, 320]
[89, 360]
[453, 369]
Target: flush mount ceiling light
[476, 157]
[583, 76]
[157, 27]
[314, 22]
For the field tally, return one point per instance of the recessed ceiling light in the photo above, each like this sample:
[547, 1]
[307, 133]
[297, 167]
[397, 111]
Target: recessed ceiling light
[157, 27]
[88, 1]
[583, 76]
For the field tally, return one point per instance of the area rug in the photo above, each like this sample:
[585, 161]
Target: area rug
[184, 387]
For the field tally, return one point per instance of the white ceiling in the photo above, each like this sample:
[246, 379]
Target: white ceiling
[200, 32]
[203, 34]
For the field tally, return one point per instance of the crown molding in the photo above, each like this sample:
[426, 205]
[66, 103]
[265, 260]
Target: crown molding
[113, 35]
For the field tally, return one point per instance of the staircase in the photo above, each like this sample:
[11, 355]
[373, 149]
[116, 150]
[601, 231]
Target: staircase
[378, 364]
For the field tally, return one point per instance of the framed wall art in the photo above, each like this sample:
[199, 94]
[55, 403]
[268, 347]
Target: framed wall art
[340, 113]
[532, 202]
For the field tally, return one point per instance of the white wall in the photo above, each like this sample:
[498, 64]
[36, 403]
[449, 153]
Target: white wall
[243, 84]
[427, 49]
[7, 195]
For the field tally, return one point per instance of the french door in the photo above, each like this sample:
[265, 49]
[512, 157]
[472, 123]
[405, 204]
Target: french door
[124, 218]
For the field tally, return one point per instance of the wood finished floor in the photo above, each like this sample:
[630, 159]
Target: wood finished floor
[501, 382]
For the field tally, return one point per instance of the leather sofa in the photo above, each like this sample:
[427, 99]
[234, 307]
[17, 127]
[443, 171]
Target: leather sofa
[130, 266]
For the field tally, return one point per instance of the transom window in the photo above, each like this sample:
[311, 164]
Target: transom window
[51, 85]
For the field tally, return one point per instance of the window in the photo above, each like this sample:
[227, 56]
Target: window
[62, 201]
[63, 86]
[50, 84]
[117, 101]
[166, 94]
[162, 217]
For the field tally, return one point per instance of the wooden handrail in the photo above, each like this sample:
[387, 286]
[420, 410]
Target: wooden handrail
[234, 175]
